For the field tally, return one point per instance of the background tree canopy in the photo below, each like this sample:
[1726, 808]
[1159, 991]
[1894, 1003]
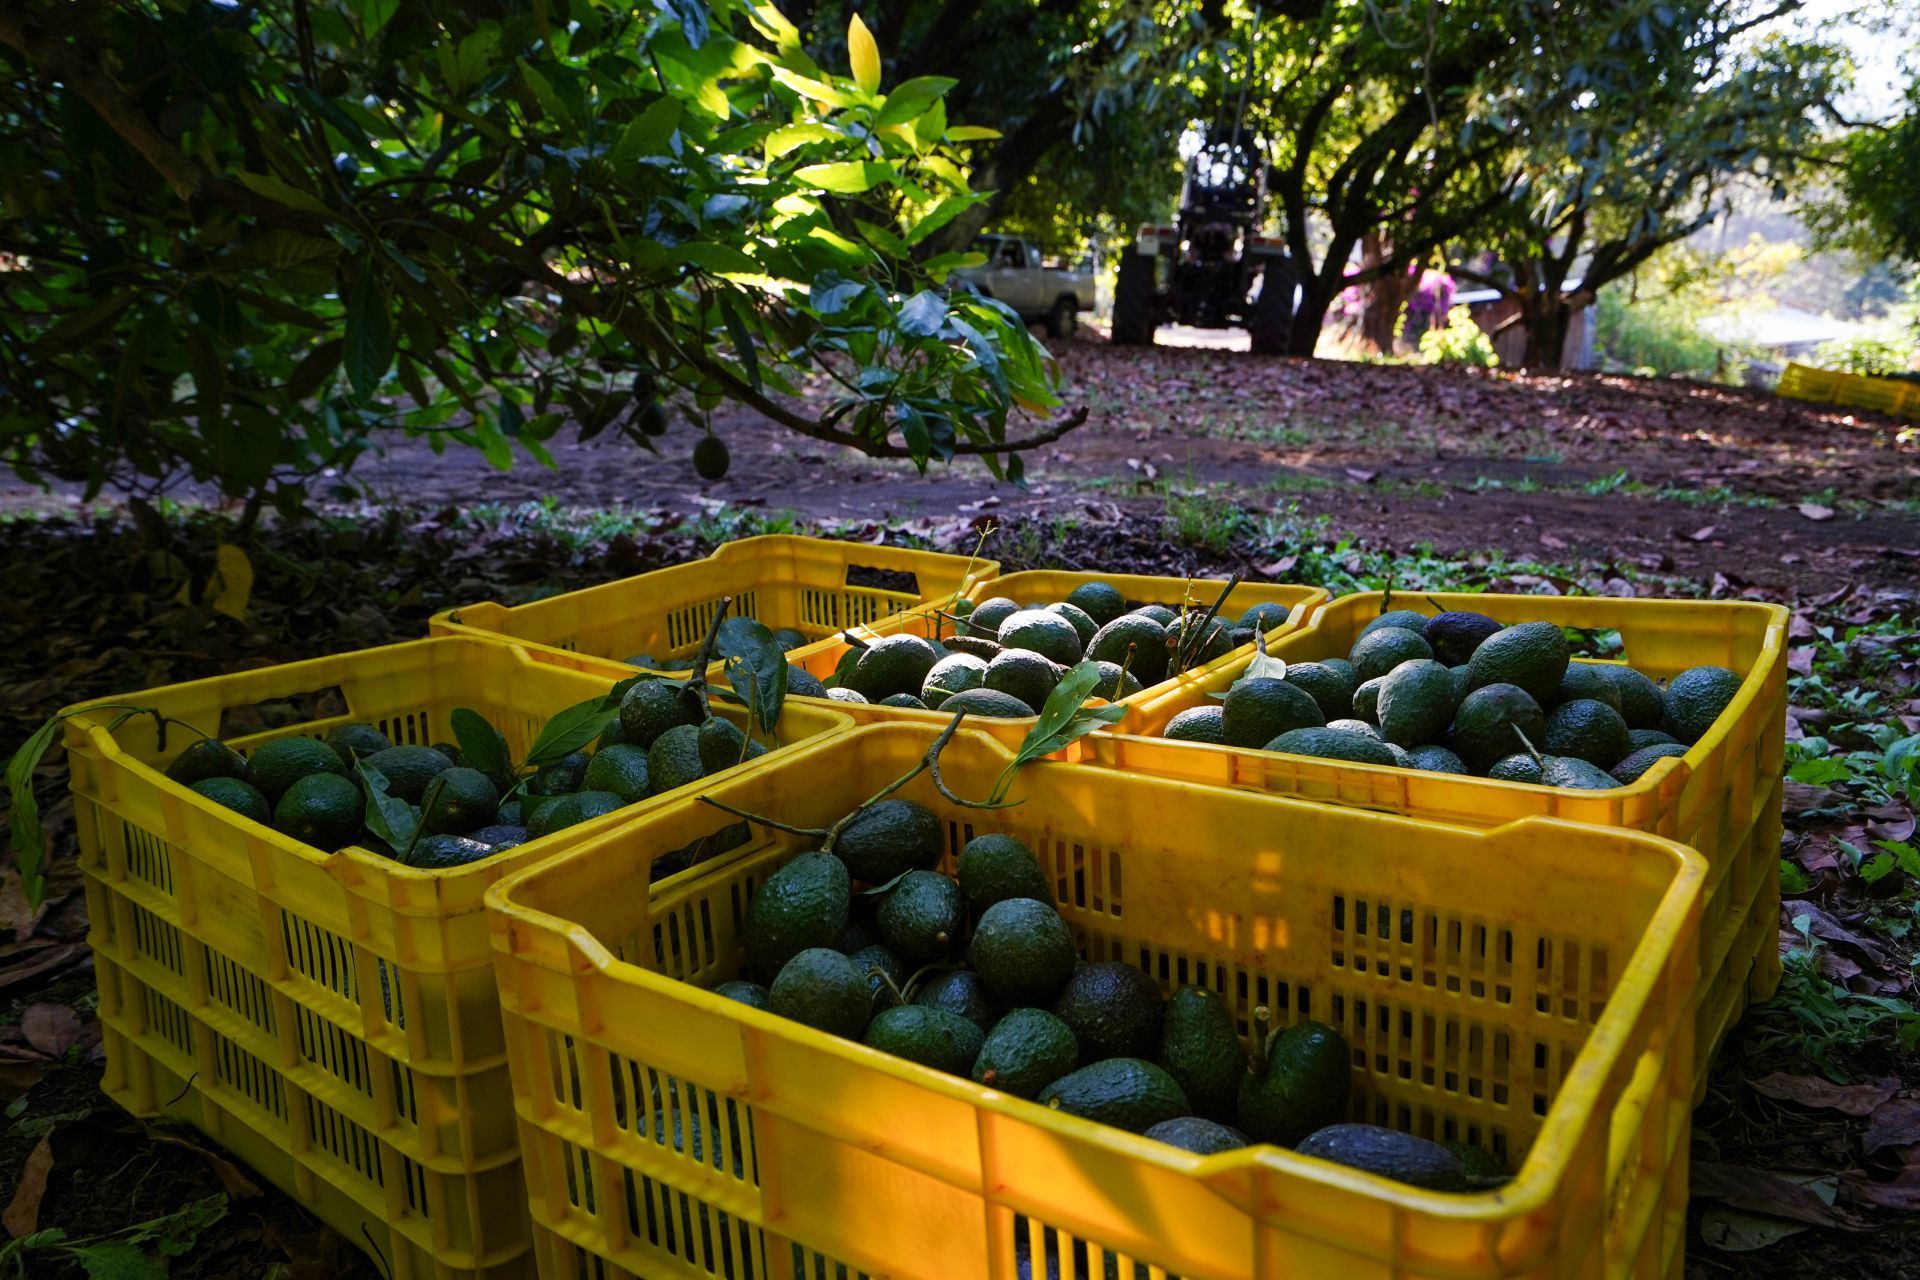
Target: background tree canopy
[247, 237]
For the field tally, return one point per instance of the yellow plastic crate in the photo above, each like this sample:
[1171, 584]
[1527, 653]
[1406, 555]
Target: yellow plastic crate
[817, 586]
[1722, 798]
[339, 1006]
[1049, 585]
[1545, 1015]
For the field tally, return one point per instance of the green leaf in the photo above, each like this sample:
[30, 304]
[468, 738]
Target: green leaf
[817, 90]
[863, 55]
[23, 817]
[1877, 868]
[787, 137]
[117, 1260]
[742, 339]
[649, 133]
[1063, 720]
[1817, 773]
[883, 238]
[368, 343]
[375, 15]
[756, 666]
[937, 217]
[265, 184]
[388, 816]
[493, 442]
[692, 17]
[911, 98]
[845, 177]
[481, 743]
[175, 1234]
[550, 104]
[922, 315]
[1792, 878]
[711, 255]
[571, 730]
[1264, 664]
[971, 133]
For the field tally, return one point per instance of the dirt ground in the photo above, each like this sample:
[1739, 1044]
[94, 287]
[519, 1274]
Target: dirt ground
[1300, 468]
[1677, 477]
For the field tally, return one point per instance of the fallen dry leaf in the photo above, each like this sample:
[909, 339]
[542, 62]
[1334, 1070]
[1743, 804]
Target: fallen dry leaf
[233, 1180]
[22, 1216]
[51, 1028]
[1814, 511]
[1759, 1191]
[1552, 543]
[1800, 660]
[1813, 1091]
[1703, 533]
[1895, 1123]
[1800, 797]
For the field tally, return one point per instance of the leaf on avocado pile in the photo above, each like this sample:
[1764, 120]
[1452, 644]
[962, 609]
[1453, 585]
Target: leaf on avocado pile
[571, 730]
[481, 743]
[388, 816]
[757, 666]
[1064, 719]
[1264, 664]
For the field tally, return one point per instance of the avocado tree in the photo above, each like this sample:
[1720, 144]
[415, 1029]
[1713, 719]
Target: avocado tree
[1626, 132]
[245, 239]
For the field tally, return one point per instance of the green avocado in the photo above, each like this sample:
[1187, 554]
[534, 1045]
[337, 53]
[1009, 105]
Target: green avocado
[1416, 703]
[802, 905]
[1051, 635]
[1199, 1049]
[1629, 769]
[279, 764]
[1025, 1052]
[1022, 674]
[674, 759]
[322, 809]
[1642, 704]
[1260, 709]
[1198, 724]
[1484, 727]
[1333, 744]
[1302, 1086]
[207, 758]
[1114, 1010]
[988, 702]
[1100, 601]
[462, 800]
[649, 708]
[953, 674]
[1695, 699]
[1456, 633]
[1389, 1154]
[241, 797]
[1128, 1093]
[1589, 730]
[557, 813]
[1379, 651]
[1586, 680]
[892, 664]
[621, 769]
[931, 1037]
[1023, 951]
[1532, 656]
[961, 991]
[823, 989]
[890, 837]
[993, 868]
[921, 918]
[1201, 1136]
[1145, 636]
[1397, 619]
[1329, 687]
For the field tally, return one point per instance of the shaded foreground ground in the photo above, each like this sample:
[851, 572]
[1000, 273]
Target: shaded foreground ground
[1824, 1189]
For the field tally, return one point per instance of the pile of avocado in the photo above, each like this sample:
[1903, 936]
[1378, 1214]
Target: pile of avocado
[319, 790]
[978, 975]
[1005, 657]
[1458, 692]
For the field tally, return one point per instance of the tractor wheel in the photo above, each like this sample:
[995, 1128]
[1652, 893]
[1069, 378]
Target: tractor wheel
[1063, 319]
[1133, 300]
[1272, 314]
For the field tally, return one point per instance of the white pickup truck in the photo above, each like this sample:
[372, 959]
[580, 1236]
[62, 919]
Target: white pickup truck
[1014, 274]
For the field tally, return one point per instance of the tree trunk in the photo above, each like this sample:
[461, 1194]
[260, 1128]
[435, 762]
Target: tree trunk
[1386, 296]
[1547, 321]
[1304, 334]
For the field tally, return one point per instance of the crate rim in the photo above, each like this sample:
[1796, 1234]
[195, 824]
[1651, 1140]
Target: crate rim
[1751, 687]
[1531, 1188]
[80, 717]
[986, 570]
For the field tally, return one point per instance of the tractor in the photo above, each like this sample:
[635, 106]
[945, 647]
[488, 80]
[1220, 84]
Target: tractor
[1212, 269]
